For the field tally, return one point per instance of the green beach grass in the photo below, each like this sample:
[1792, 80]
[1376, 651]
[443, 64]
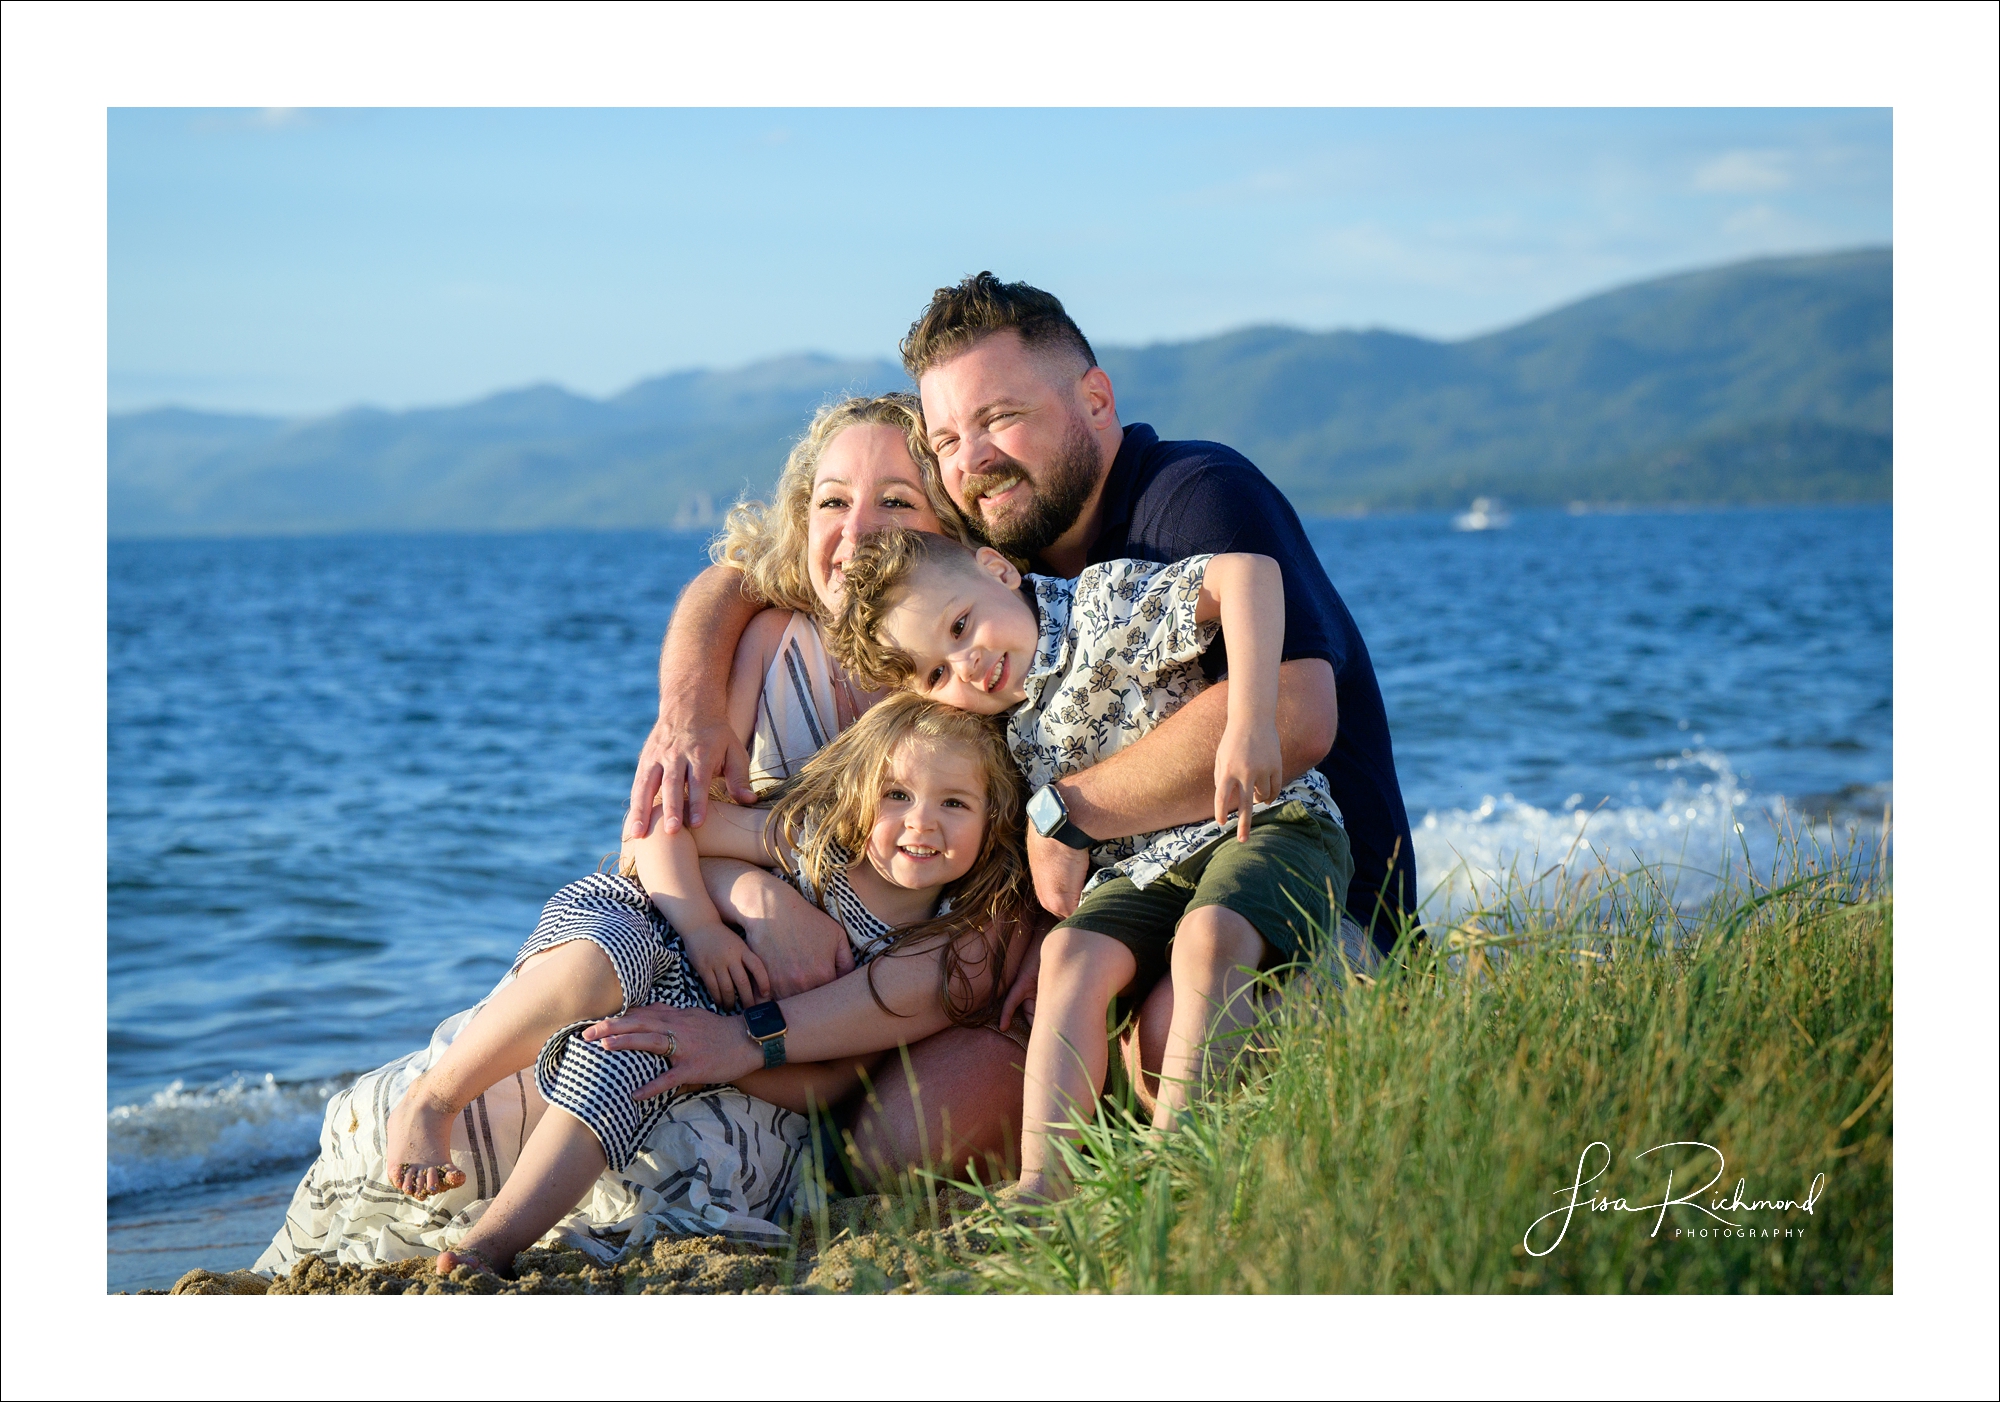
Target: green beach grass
[1406, 1135]
[1422, 1132]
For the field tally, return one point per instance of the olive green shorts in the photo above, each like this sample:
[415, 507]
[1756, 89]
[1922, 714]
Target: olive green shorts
[1288, 880]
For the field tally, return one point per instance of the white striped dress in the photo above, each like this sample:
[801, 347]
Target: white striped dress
[595, 1084]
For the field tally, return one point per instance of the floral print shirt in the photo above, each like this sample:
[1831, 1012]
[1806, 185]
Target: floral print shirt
[1119, 652]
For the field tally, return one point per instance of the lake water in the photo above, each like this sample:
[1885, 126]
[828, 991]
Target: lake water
[346, 772]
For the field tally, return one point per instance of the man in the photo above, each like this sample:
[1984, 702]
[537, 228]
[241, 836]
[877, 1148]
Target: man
[1025, 426]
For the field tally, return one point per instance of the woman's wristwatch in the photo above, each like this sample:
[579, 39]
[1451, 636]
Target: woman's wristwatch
[1050, 815]
[767, 1030]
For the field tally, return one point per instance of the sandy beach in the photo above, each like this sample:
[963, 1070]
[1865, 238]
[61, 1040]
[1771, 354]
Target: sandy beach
[858, 1258]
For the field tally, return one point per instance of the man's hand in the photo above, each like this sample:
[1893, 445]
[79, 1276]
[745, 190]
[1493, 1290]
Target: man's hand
[801, 945]
[1059, 871]
[684, 754]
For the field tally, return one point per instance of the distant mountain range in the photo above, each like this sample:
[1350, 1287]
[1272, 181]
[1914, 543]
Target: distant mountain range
[1766, 381]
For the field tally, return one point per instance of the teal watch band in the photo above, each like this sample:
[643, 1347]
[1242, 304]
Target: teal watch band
[766, 1025]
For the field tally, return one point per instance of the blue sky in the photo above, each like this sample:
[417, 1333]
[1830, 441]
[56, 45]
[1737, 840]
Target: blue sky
[302, 261]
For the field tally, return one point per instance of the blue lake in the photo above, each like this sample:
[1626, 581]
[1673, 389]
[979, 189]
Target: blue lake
[346, 772]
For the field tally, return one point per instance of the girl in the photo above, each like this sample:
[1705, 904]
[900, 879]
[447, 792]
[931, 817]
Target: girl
[906, 830]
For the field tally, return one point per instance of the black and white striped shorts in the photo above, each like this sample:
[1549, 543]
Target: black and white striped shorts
[591, 1083]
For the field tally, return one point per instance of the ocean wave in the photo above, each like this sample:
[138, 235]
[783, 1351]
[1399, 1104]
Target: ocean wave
[1705, 825]
[230, 1129]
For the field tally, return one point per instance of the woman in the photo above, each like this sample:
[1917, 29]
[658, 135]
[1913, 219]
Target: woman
[862, 464]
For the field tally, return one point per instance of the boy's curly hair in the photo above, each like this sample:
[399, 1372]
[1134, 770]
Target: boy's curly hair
[873, 583]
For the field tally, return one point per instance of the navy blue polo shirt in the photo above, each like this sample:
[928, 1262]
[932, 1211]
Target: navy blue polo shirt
[1165, 501]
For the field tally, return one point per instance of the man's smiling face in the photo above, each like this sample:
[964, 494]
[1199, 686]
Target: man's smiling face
[969, 633]
[1014, 444]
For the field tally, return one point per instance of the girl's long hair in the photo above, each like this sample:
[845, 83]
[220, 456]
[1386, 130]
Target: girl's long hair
[826, 811]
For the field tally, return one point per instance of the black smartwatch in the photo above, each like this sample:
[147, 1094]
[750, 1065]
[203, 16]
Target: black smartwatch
[1050, 815]
[767, 1030]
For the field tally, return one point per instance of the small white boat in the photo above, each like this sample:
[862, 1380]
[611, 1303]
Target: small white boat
[1486, 514]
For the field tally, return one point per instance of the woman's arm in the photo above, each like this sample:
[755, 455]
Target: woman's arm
[840, 1020]
[754, 655]
[800, 945]
[799, 1088]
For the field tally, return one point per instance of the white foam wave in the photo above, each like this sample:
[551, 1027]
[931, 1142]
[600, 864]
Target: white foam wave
[231, 1129]
[1706, 823]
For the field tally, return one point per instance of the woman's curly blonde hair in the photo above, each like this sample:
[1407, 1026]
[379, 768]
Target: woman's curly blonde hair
[767, 541]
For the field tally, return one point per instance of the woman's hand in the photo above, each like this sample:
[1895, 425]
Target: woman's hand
[705, 1048]
[1249, 767]
[733, 976]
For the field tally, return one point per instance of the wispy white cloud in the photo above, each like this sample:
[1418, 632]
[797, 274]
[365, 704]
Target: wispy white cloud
[1744, 172]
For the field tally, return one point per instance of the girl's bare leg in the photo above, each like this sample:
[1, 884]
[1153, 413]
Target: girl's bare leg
[1215, 955]
[560, 1161]
[1082, 972]
[559, 986]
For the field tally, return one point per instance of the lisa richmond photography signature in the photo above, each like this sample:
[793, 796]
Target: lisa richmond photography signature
[1704, 1199]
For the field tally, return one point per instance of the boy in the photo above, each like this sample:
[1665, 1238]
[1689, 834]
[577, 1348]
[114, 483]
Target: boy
[1083, 668]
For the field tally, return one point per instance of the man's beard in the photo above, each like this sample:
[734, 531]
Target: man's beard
[1052, 505]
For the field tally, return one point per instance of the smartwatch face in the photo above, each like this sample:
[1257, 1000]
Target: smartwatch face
[1045, 811]
[765, 1020]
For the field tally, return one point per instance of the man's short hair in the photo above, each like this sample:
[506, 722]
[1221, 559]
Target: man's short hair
[873, 582]
[960, 317]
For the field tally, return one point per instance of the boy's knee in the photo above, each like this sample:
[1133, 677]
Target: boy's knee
[1086, 957]
[1216, 936]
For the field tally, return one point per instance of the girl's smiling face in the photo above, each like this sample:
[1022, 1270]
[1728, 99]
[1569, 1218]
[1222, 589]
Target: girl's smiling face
[930, 816]
[865, 480]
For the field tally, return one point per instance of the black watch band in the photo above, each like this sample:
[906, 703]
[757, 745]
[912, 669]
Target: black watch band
[1070, 835]
[1050, 815]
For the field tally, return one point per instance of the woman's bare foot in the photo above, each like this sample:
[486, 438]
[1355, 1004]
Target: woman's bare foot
[419, 1148]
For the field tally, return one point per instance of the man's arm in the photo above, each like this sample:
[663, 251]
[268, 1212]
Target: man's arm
[1168, 777]
[691, 743]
